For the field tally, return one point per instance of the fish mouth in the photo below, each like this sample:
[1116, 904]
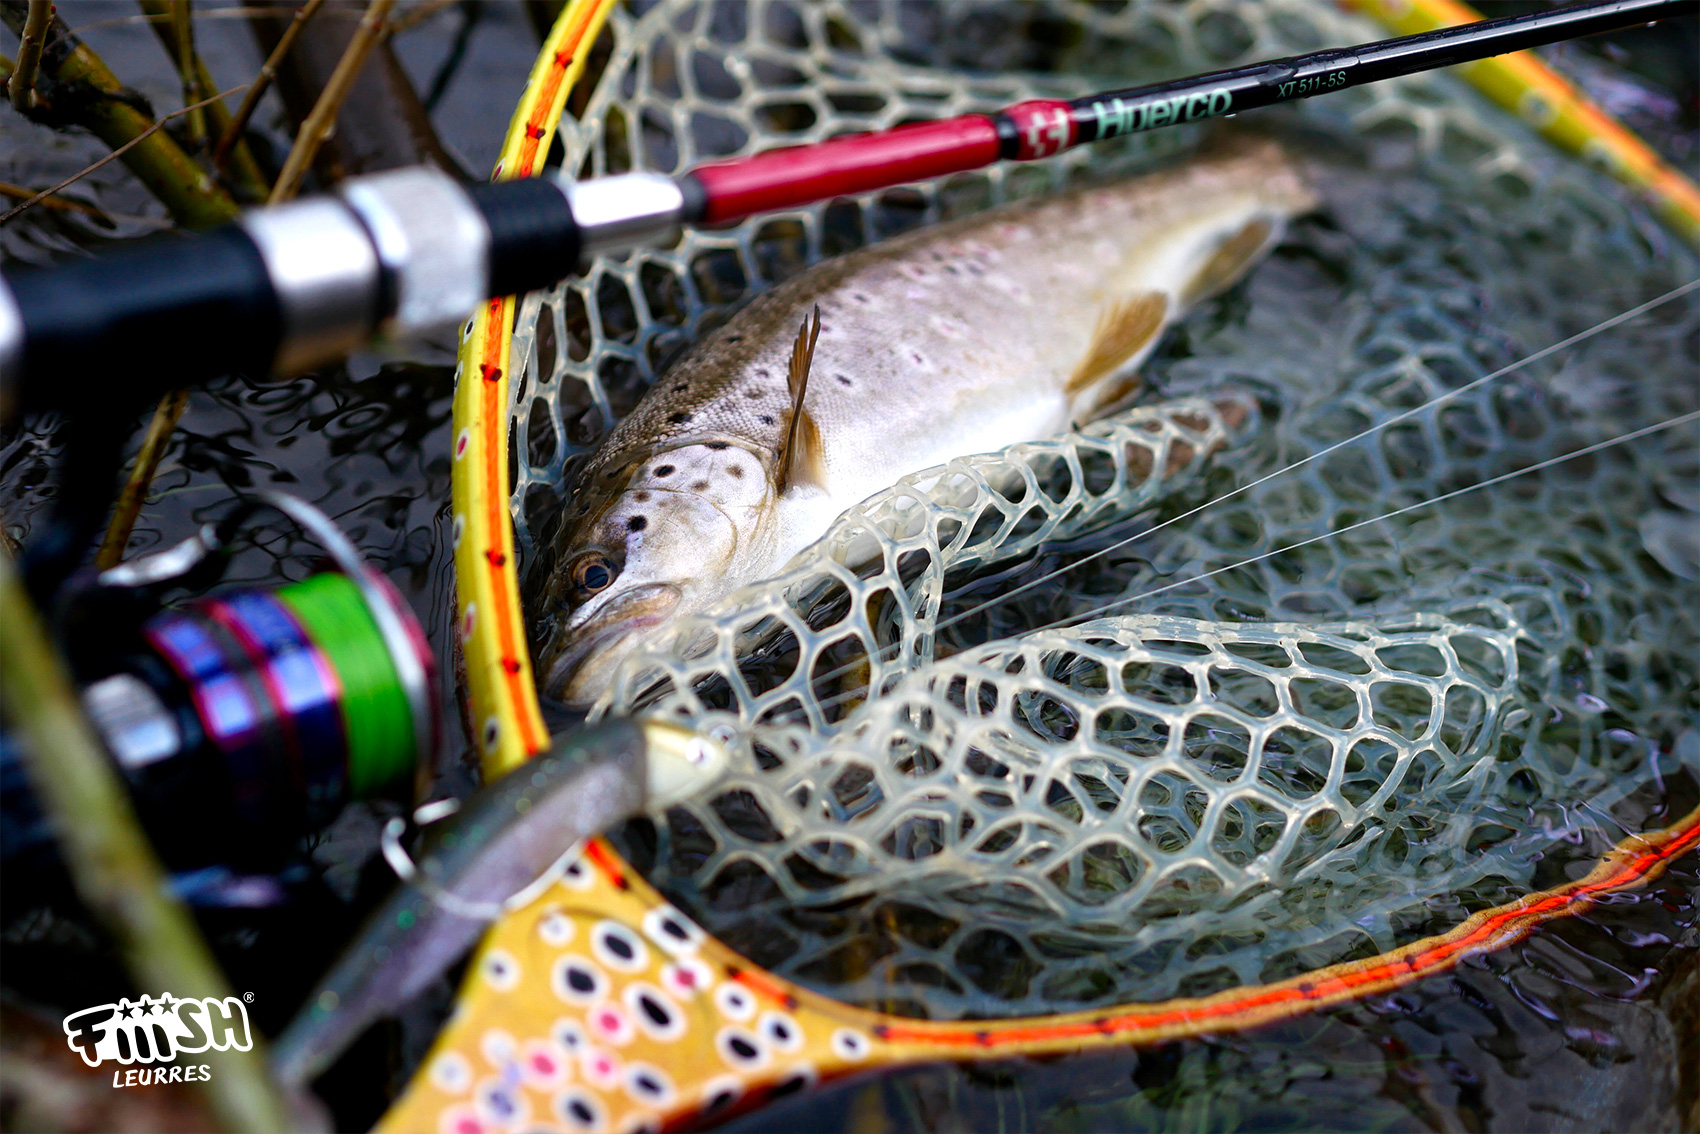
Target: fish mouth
[584, 668]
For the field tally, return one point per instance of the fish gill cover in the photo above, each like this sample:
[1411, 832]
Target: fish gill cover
[1182, 763]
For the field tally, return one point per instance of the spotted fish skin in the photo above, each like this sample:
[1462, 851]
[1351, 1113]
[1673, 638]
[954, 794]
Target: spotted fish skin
[1004, 327]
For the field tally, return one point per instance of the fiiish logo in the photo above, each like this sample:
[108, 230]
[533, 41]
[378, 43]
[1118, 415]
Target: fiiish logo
[158, 1031]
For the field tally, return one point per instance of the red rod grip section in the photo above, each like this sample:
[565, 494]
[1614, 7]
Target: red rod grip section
[786, 178]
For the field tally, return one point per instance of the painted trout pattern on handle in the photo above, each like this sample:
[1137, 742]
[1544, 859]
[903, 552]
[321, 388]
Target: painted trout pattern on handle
[1009, 326]
[600, 1007]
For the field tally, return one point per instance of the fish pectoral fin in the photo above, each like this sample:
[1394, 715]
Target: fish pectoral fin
[800, 458]
[1126, 328]
[1230, 261]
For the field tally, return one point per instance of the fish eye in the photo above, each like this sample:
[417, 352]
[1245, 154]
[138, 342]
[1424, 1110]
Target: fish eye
[592, 574]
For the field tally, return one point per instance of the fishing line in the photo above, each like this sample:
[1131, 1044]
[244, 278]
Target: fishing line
[1491, 481]
[1545, 352]
[1582, 336]
[1671, 423]
[1612, 820]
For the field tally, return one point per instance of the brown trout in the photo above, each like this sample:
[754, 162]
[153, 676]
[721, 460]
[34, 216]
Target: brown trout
[1008, 326]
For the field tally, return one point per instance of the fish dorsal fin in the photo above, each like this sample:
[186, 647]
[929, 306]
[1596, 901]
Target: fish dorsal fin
[1230, 260]
[799, 457]
[1125, 327]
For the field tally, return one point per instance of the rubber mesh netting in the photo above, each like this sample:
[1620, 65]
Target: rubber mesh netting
[1182, 763]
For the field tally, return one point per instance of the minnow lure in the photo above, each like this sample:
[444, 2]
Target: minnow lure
[1008, 326]
[498, 846]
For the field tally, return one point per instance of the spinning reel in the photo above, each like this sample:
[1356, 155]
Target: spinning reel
[242, 720]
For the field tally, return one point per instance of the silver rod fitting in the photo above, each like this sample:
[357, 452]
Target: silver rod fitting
[325, 273]
[623, 211]
[432, 242]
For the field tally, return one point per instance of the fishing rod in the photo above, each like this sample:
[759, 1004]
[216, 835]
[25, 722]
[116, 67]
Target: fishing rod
[405, 253]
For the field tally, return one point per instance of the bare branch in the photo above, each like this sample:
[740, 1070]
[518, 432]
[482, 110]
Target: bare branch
[119, 152]
[170, 22]
[189, 68]
[322, 119]
[21, 86]
[135, 493]
[59, 204]
[110, 112]
[418, 14]
[263, 81]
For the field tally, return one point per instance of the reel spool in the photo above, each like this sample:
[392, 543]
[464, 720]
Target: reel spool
[290, 689]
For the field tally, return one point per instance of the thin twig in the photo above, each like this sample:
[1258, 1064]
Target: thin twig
[80, 174]
[165, 18]
[188, 68]
[130, 501]
[418, 14]
[263, 81]
[63, 204]
[450, 67]
[322, 118]
[111, 863]
[21, 87]
[82, 208]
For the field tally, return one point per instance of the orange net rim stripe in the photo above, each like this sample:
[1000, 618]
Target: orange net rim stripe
[507, 723]
[1633, 863]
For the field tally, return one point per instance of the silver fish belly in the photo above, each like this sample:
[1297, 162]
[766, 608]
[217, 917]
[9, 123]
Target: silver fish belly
[1004, 327]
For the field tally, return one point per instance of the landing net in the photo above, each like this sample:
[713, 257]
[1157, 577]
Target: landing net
[1161, 772]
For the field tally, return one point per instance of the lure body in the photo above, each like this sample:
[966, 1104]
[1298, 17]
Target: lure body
[500, 843]
[1004, 327]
